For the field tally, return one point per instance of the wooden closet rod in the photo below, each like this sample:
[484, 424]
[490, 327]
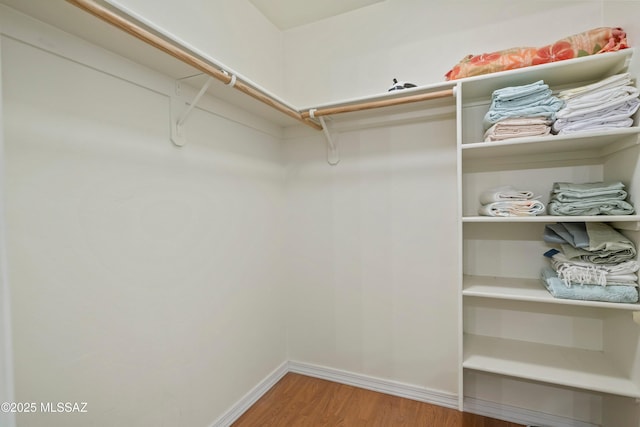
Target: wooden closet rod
[188, 58]
[158, 42]
[378, 104]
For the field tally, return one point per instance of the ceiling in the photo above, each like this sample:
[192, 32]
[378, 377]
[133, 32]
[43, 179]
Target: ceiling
[287, 14]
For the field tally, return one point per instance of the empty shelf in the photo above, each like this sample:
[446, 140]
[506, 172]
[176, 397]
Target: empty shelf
[565, 366]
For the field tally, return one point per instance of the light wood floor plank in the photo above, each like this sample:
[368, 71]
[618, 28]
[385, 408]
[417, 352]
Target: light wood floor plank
[302, 401]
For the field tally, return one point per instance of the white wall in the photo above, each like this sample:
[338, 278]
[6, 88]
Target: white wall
[359, 53]
[146, 279]
[6, 350]
[233, 32]
[372, 253]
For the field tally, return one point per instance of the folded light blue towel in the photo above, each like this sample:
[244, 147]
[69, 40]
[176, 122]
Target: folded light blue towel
[610, 293]
[532, 100]
[542, 97]
[515, 92]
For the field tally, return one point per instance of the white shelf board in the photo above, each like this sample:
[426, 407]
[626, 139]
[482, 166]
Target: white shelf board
[554, 218]
[564, 366]
[531, 290]
[555, 74]
[382, 96]
[601, 143]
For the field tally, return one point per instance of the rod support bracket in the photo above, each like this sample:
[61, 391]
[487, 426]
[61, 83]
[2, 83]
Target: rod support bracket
[180, 110]
[333, 155]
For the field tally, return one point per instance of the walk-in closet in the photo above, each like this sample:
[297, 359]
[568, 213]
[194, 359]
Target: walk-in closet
[201, 196]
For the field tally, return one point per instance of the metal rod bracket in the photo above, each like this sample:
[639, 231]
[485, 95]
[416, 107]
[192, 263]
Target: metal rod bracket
[180, 110]
[333, 156]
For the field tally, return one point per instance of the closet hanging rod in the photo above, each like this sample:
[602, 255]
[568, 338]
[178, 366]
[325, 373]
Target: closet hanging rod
[377, 104]
[148, 37]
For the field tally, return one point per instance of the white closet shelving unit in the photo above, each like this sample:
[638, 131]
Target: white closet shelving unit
[512, 328]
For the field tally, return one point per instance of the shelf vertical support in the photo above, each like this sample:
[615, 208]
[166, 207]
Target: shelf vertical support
[178, 136]
[333, 156]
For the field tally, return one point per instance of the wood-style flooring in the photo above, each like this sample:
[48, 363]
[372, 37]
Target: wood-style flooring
[302, 401]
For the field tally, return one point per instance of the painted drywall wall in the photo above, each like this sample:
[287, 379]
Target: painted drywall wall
[359, 53]
[145, 278]
[346, 310]
[372, 253]
[6, 350]
[233, 32]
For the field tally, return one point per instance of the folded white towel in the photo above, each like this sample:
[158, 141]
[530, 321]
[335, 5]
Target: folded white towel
[630, 101]
[595, 126]
[599, 120]
[601, 97]
[504, 193]
[621, 79]
[572, 275]
[611, 117]
[573, 271]
[513, 208]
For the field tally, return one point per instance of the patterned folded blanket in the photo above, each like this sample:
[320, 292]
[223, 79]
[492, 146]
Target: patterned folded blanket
[597, 40]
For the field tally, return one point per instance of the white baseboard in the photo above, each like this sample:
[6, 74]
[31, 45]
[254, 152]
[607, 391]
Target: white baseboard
[252, 397]
[395, 388]
[519, 415]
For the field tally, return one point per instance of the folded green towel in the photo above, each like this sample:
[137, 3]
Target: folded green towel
[606, 246]
[568, 192]
[591, 207]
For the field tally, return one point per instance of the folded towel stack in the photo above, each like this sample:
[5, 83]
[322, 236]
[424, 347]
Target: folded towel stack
[594, 198]
[601, 106]
[591, 242]
[518, 127]
[613, 293]
[595, 262]
[532, 105]
[508, 201]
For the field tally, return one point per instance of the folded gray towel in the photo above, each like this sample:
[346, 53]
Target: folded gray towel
[574, 233]
[591, 207]
[570, 192]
